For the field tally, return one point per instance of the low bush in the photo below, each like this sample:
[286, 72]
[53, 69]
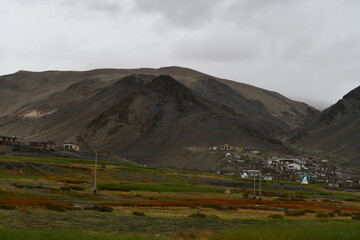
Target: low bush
[330, 201]
[295, 213]
[7, 207]
[140, 214]
[292, 199]
[17, 185]
[72, 187]
[345, 214]
[100, 208]
[309, 211]
[77, 187]
[197, 215]
[53, 207]
[352, 199]
[356, 216]
[322, 215]
[222, 207]
[65, 188]
[276, 216]
[113, 188]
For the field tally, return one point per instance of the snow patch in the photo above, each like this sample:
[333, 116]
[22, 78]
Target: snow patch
[38, 113]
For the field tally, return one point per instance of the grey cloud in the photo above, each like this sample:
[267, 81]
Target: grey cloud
[106, 6]
[220, 45]
[293, 47]
[181, 13]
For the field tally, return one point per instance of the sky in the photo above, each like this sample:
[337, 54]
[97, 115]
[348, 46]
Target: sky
[307, 50]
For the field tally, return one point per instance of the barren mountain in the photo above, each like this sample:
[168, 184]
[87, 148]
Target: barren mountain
[337, 131]
[146, 113]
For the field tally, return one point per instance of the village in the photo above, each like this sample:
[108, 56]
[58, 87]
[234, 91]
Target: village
[305, 169]
[244, 163]
[42, 145]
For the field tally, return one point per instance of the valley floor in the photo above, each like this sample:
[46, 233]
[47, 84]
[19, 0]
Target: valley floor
[44, 198]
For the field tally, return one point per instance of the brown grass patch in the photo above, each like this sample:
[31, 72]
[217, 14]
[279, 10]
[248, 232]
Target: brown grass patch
[240, 203]
[29, 202]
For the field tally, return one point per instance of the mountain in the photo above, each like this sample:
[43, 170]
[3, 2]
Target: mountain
[151, 115]
[337, 131]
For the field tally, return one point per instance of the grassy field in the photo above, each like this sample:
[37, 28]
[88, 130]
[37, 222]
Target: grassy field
[158, 187]
[317, 231]
[9, 234]
[55, 196]
[313, 231]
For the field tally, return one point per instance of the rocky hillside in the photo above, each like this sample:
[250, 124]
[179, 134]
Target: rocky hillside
[337, 131]
[148, 114]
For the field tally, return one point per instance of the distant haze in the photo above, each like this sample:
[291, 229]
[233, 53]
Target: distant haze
[306, 50]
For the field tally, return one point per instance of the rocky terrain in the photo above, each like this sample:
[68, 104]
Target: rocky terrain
[158, 116]
[337, 131]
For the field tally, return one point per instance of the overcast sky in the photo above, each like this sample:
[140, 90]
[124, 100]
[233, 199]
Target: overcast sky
[307, 50]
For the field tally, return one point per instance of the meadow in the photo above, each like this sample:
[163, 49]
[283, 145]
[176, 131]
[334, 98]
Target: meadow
[52, 198]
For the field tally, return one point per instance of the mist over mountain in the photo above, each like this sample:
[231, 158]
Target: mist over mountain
[337, 131]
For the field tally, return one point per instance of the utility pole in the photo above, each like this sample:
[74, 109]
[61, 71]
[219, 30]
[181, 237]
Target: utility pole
[260, 181]
[254, 186]
[95, 168]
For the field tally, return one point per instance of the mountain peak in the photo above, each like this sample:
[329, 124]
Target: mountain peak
[354, 94]
[349, 103]
[167, 84]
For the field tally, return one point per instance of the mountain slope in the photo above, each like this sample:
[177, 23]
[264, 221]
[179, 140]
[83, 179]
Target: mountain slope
[337, 131]
[145, 113]
[165, 116]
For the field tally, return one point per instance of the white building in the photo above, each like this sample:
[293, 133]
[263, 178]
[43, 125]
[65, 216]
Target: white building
[305, 181]
[293, 166]
[244, 175]
[71, 147]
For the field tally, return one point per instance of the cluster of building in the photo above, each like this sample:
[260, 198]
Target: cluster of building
[304, 169]
[43, 145]
[227, 147]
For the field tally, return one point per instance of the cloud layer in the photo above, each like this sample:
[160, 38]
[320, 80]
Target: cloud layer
[307, 50]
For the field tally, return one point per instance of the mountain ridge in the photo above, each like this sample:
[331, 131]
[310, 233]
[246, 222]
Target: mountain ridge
[161, 111]
[337, 131]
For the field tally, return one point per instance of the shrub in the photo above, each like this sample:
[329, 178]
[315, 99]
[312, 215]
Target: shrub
[295, 213]
[222, 207]
[330, 201]
[331, 214]
[113, 188]
[197, 215]
[345, 214]
[352, 199]
[7, 207]
[100, 208]
[78, 188]
[337, 211]
[17, 185]
[72, 187]
[58, 208]
[356, 216]
[293, 199]
[276, 216]
[321, 215]
[140, 214]
[65, 188]
[309, 211]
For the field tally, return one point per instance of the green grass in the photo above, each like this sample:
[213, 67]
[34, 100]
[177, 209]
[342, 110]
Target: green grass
[18, 177]
[290, 231]
[159, 187]
[316, 231]
[46, 159]
[11, 234]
